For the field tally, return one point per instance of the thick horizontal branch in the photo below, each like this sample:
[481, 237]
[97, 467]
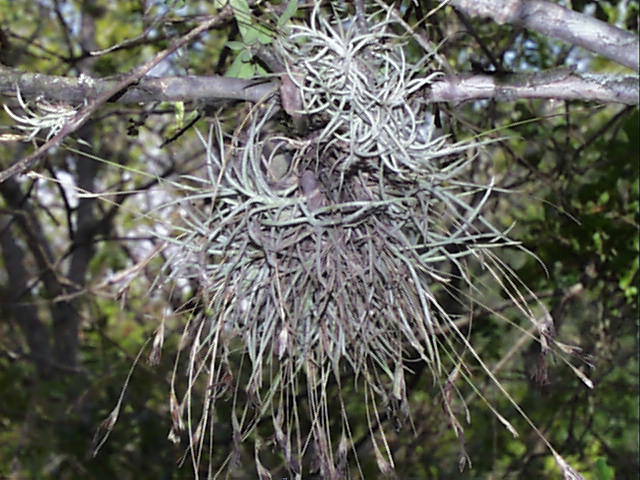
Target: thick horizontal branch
[75, 90]
[554, 84]
[562, 23]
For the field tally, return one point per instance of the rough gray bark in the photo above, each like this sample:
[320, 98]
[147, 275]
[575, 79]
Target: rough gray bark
[562, 84]
[75, 90]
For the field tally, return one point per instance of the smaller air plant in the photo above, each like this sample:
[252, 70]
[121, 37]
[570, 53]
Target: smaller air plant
[43, 115]
[336, 268]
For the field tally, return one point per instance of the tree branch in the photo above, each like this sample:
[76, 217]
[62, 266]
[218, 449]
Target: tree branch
[129, 79]
[560, 84]
[74, 90]
[562, 23]
[553, 84]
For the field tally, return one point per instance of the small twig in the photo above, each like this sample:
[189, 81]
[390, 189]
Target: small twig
[559, 22]
[472, 31]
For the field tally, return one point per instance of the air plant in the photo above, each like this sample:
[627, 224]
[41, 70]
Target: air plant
[43, 116]
[331, 258]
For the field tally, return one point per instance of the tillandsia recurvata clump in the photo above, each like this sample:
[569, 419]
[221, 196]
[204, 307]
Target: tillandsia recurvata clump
[330, 259]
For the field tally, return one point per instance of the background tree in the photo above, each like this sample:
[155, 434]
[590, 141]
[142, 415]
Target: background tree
[107, 97]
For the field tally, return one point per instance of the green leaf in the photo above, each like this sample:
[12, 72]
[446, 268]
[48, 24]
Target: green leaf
[610, 10]
[179, 106]
[603, 470]
[598, 241]
[249, 27]
[235, 46]
[242, 66]
[289, 12]
[627, 279]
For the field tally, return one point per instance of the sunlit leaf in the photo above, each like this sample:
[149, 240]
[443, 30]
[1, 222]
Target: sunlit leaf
[250, 28]
[289, 12]
[242, 66]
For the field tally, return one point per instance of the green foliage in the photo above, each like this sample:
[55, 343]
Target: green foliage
[288, 13]
[253, 33]
[603, 470]
[47, 425]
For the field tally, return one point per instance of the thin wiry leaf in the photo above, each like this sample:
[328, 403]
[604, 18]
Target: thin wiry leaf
[338, 257]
